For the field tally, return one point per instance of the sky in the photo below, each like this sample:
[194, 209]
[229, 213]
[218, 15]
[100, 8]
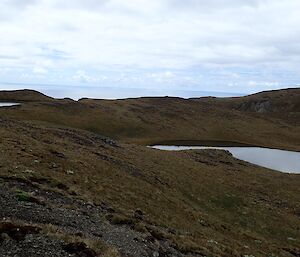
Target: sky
[238, 46]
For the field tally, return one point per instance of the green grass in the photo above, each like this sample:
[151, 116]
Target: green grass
[23, 196]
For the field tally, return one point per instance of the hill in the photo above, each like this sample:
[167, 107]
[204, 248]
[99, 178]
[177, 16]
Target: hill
[269, 119]
[72, 183]
[25, 95]
[278, 101]
[70, 192]
[275, 101]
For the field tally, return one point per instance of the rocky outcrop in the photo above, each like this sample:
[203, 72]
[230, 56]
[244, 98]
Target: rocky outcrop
[257, 106]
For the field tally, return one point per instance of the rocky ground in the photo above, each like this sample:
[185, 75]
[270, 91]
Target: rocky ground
[39, 209]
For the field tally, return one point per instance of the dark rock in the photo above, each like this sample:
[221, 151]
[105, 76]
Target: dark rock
[138, 214]
[80, 249]
[58, 154]
[294, 252]
[16, 232]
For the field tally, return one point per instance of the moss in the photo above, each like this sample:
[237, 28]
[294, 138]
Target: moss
[23, 196]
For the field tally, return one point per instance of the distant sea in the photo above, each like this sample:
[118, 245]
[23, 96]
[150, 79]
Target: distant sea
[77, 92]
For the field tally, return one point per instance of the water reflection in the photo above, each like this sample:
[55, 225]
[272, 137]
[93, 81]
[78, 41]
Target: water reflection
[284, 161]
[6, 104]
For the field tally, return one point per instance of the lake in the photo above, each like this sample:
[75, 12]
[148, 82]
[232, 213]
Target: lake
[6, 104]
[280, 160]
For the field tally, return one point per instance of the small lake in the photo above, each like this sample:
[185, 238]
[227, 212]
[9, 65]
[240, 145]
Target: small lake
[6, 104]
[284, 161]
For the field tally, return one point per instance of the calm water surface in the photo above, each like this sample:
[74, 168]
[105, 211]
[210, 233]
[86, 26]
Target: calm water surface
[6, 104]
[284, 161]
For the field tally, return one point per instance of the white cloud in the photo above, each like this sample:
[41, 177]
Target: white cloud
[84, 77]
[81, 76]
[167, 38]
[40, 70]
[266, 84]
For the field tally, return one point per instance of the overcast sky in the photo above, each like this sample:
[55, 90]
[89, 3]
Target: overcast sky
[217, 45]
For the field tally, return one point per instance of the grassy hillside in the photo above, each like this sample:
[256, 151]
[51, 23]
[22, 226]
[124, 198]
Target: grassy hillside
[268, 119]
[129, 200]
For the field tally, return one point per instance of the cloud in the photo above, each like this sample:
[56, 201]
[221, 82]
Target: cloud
[11, 8]
[232, 40]
[83, 77]
[8, 57]
[40, 70]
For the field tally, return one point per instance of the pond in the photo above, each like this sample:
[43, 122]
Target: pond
[280, 160]
[7, 104]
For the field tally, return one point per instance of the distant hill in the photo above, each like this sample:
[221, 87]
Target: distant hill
[270, 119]
[25, 95]
[286, 100]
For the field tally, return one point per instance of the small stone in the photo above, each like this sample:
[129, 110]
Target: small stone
[29, 171]
[155, 254]
[138, 214]
[54, 166]
[70, 172]
[4, 236]
[211, 241]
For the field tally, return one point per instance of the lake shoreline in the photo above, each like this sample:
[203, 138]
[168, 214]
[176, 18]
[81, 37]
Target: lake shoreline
[214, 143]
[204, 143]
[8, 104]
[264, 157]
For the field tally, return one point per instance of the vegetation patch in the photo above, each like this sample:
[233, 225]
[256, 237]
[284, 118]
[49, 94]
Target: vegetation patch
[23, 196]
[119, 219]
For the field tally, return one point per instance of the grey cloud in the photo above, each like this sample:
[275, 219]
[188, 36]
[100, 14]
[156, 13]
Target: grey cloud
[54, 54]
[16, 4]
[213, 4]
[9, 9]
[143, 34]
[9, 57]
[84, 5]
